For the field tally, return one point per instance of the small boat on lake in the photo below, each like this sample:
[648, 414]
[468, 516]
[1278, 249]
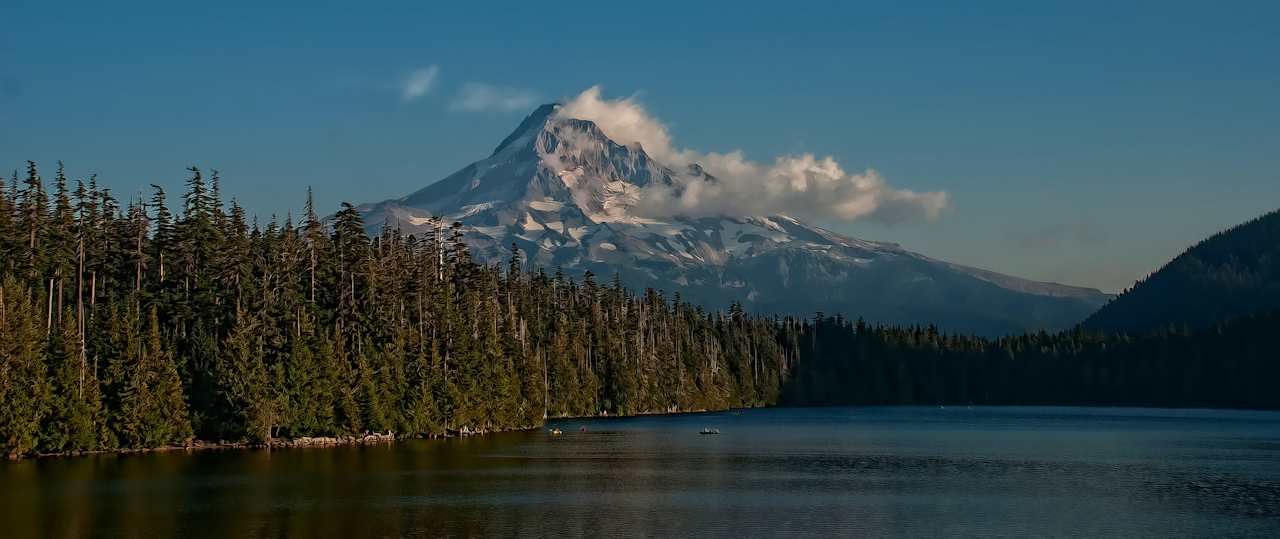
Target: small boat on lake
[709, 430]
[556, 432]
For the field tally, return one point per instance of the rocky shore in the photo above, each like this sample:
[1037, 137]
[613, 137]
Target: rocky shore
[324, 441]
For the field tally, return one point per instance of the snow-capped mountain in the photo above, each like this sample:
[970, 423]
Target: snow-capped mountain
[563, 192]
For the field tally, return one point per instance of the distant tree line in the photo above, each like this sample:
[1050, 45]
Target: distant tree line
[1231, 364]
[132, 325]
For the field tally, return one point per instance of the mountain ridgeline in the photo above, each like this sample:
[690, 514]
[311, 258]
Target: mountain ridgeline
[566, 194]
[1234, 273]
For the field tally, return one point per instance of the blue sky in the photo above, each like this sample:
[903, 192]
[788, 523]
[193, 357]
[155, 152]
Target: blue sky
[1083, 143]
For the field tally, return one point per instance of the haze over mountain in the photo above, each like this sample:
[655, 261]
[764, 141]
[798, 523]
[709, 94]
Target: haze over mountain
[1233, 273]
[612, 195]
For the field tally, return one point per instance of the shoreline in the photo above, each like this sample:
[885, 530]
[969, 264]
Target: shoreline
[305, 442]
[301, 442]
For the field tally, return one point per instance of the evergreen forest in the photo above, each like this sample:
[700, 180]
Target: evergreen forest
[157, 322]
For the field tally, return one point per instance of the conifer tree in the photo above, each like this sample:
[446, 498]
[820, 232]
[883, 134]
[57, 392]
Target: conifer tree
[24, 386]
[153, 411]
[246, 380]
[76, 419]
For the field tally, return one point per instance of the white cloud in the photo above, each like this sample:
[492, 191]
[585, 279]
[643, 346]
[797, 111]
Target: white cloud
[478, 96]
[418, 83]
[802, 185]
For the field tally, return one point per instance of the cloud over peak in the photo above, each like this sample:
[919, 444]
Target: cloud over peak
[801, 185]
[478, 96]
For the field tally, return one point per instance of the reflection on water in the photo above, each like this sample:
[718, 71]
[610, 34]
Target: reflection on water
[818, 471]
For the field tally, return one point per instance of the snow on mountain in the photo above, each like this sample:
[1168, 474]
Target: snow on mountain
[564, 193]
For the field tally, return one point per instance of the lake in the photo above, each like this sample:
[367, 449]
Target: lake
[850, 471]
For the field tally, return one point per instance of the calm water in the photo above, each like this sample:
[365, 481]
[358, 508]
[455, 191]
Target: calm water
[817, 471]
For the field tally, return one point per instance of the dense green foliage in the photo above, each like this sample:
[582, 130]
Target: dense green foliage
[1233, 273]
[138, 326]
[1233, 364]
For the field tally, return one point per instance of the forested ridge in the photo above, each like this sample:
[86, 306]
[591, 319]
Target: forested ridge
[134, 325]
[1232, 273]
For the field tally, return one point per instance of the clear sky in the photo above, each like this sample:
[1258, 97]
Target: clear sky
[1083, 143]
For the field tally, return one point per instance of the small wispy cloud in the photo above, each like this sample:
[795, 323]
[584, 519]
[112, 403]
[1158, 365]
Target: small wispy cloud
[419, 82]
[1056, 236]
[478, 96]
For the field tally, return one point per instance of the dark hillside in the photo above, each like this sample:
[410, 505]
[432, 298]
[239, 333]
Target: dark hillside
[1232, 273]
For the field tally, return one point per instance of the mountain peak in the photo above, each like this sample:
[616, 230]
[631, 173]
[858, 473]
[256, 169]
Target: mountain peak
[534, 121]
[567, 195]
